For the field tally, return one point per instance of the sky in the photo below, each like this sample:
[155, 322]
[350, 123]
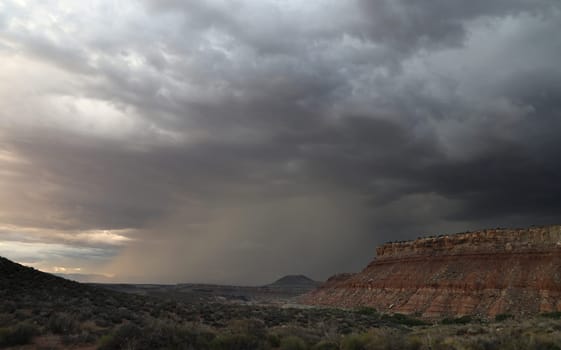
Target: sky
[238, 141]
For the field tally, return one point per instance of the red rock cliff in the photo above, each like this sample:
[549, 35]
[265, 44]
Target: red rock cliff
[485, 273]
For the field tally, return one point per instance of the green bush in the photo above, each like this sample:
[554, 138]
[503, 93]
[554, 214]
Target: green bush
[414, 343]
[366, 310]
[326, 345]
[236, 342]
[503, 317]
[375, 339]
[273, 340]
[18, 335]
[197, 338]
[459, 320]
[555, 315]
[530, 341]
[8, 306]
[125, 337]
[354, 342]
[404, 320]
[293, 343]
[252, 327]
[160, 335]
[106, 342]
[63, 324]
[82, 338]
[169, 335]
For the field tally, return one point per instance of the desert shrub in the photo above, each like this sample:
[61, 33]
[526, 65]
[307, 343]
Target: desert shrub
[158, 335]
[102, 322]
[376, 339]
[484, 344]
[545, 342]
[365, 310]
[236, 342]
[167, 335]
[252, 327]
[503, 317]
[6, 320]
[447, 343]
[126, 336]
[529, 341]
[293, 343]
[9, 306]
[62, 323]
[471, 330]
[82, 338]
[404, 320]
[307, 334]
[273, 340]
[458, 320]
[21, 314]
[326, 345]
[555, 315]
[84, 313]
[106, 341]
[345, 328]
[354, 342]
[414, 343]
[18, 335]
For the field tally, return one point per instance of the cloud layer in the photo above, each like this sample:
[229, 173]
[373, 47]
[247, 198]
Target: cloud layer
[236, 141]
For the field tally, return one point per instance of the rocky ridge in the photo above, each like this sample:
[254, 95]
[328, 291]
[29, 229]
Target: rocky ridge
[485, 273]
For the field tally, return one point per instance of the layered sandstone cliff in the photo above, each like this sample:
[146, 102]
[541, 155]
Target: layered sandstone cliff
[515, 271]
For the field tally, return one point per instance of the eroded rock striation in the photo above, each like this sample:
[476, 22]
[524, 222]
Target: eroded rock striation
[514, 271]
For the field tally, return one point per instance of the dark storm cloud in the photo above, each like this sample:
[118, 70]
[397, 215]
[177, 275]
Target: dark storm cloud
[503, 184]
[406, 25]
[396, 27]
[229, 137]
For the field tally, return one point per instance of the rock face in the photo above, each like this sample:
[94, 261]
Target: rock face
[515, 271]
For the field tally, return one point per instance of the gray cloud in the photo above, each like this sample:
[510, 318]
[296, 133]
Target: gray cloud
[237, 141]
[408, 25]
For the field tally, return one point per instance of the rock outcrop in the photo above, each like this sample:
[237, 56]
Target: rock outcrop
[485, 273]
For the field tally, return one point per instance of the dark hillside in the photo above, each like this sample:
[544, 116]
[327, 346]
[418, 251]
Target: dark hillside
[295, 280]
[29, 287]
[16, 279]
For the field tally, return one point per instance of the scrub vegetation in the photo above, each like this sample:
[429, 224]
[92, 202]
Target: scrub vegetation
[38, 310]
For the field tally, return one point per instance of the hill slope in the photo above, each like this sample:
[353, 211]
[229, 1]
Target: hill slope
[515, 271]
[296, 281]
[18, 280]
[27, 288]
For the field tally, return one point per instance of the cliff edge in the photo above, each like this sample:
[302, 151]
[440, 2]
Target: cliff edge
[485, 273]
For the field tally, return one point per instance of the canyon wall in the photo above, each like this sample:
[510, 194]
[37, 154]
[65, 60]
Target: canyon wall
[515, 271]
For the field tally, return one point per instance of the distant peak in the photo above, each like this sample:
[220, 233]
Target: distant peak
[294, 280]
